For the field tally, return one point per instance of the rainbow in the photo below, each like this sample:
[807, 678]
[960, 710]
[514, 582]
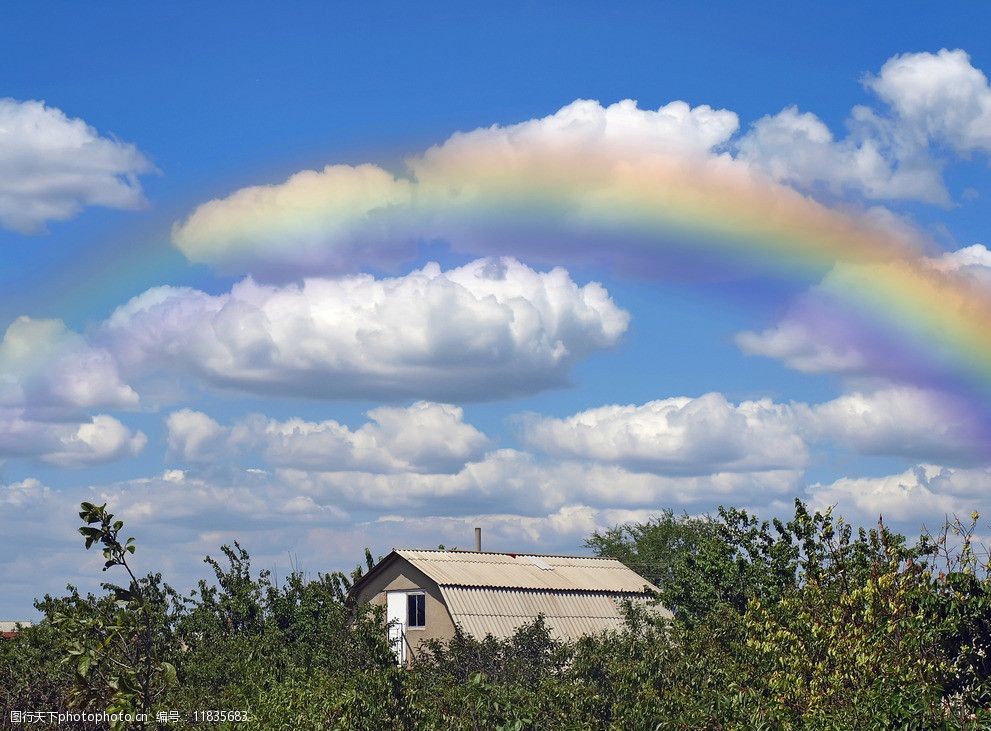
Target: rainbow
[883, 274]
[485, 201]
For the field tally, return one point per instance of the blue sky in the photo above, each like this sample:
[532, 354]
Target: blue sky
[183, 105]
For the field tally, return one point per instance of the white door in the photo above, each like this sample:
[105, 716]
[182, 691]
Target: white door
[396, 616]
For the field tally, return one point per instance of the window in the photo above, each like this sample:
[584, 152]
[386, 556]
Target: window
[416, 610]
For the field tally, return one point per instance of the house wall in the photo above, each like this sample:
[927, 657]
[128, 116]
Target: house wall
[402, 575]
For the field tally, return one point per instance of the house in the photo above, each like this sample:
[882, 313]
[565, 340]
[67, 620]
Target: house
[427, 593]
[9, 629]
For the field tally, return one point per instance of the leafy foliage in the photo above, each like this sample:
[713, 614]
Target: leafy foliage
[802, 623]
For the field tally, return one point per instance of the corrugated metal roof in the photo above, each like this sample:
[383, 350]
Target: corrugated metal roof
[521, 571]
[499, 612]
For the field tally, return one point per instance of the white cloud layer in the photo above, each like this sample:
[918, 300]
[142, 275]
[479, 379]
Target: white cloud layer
[925, 493]
[515, 481]
[490, 329]
[709, 434]
[423, 438]
[52, 165]
[321, 520]
[178, 517]
[44, 364]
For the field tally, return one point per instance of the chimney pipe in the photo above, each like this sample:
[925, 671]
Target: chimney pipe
[478, 539]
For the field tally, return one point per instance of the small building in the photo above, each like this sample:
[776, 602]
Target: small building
[10, 628]
[427, 593]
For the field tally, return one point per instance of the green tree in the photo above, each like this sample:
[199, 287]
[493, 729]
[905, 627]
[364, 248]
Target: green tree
[111, 642]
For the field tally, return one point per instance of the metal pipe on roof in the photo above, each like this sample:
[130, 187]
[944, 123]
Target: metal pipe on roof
[478, 539]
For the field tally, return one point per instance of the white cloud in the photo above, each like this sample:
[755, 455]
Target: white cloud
[49, 376]
[490, 329]
[78, 443]
[907, 422]
[933, 101]
[972, 263]
[53, 165]
[563, 530]
[976, 255]
[193, 436]
[43, 364]
[423, 438]
[938, 96]
[797, 148]
[320, 521]
[23, 493]
[801, 346]
[678, 435]
[176, 519]
[102, 439]
[622, 129]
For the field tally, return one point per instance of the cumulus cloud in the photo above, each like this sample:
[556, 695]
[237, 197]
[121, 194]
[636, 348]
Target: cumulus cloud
[94, 440]
[52, 165]
[938, 96]
[423, 438]
[44, 364]
[971, 263]
[689, 435]
[622, 129]
[192, 436]
[490, 329]
[931, 101]
[976, 255]
[798, 148]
